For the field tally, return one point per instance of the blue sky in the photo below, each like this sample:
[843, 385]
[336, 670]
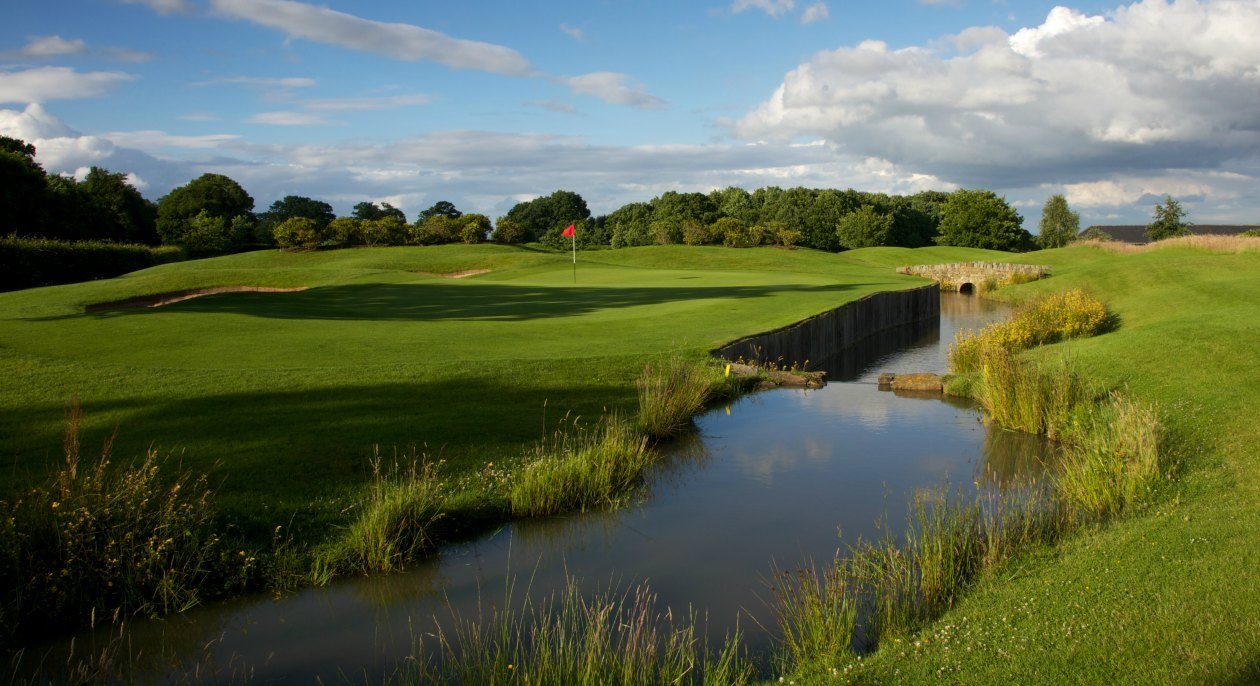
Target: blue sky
[487, 103]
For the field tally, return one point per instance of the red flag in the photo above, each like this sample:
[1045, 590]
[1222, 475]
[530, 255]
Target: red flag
[568, 232]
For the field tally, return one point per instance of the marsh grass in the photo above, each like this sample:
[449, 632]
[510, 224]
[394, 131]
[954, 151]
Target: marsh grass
[111, 540]
[1034, 398]
[405, 498]
[581, 468]
[673, 391]
[1217, 244]
[570, 639]
[1047, 319]
[1113, 461]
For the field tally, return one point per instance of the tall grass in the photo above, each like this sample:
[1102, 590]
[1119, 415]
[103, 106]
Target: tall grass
[1038, 399]
[671, 392]
[580, 468]
[102, 540]
[391, 529]
[1217, 244]
[1043, 320]
[570, 640]
[1113, 461]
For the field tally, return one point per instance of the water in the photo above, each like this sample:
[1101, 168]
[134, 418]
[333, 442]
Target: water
[777, 478]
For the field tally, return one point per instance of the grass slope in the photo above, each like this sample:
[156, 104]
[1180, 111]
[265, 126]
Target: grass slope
[1171, 595]
[283, 395]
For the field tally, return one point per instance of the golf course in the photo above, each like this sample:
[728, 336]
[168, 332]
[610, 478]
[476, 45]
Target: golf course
[469, 355]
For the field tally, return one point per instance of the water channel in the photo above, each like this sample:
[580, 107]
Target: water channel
[774, 478]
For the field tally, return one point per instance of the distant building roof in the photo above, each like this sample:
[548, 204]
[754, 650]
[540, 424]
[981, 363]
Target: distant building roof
[1136, 233]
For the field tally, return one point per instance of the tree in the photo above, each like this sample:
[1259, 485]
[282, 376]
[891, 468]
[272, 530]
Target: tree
[436, 229]
[368, 211]
[207, 234]
[440, 208]
[679, 208]
[1169, 221]
[981, 219]
[474, 228]
[300, 232]
[1059, 224]
[864, 228]
[508, 232]
[631, 225]
[539, 216]
[214, 194]
[123, 214]
[388, 230]
[23, 189]
[345, 231]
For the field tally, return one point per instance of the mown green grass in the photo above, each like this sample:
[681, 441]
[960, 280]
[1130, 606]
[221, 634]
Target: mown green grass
[282, 396]
[1169, 594]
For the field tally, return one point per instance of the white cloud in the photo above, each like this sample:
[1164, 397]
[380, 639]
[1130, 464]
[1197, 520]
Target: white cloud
[164, 6]
[160, 141]
[51, 46]
[284, 82]
[613, 88]
[136, 182]
[388, 102]
[400, 41]
[554, 106]
[288, 118]
[41, 84]
[773, 8]
[574, 32]
[815, 12]
[1151, 86]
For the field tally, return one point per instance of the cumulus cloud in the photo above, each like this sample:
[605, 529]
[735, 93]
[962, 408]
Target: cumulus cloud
[815, 12]
[613, 88]
[396, 40]
[41, 84]
[51, 46]
[773, 8]
[1150, 87]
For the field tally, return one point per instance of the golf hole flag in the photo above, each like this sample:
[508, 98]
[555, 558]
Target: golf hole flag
[572, 233]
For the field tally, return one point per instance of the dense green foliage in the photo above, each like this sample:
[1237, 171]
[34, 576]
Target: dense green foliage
[549, 214]
[103, 206]
[1168, 221]
[367, 211]
[980, 219]
[209, 214]
[30, 262]
[288, 207]
[1059, 224]
[864, 228]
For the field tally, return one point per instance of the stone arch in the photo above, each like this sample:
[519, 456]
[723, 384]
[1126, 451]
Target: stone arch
[966, 287]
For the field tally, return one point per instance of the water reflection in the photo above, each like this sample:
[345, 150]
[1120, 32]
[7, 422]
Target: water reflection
[771, 481]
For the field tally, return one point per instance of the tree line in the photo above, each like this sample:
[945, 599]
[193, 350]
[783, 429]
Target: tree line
[214, 214]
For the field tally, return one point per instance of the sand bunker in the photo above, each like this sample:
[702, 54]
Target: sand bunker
[178, 296]
[458, 275]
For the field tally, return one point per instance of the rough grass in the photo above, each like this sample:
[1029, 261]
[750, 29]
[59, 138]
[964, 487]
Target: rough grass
[569, 639]
[1217, 244]
[1167, 593]
[671, 392]
[110, 541]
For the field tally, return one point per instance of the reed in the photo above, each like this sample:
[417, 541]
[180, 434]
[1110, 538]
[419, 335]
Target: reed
[405, 498]
[671, 392]
[570, 639]
[1113, 461]
[581, 468]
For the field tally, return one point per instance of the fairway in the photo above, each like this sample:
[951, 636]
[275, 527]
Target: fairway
[282, 396]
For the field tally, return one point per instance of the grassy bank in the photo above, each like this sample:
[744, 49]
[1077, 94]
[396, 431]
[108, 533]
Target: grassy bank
[1165, 593]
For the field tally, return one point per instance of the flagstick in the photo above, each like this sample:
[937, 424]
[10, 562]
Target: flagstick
[574, 256]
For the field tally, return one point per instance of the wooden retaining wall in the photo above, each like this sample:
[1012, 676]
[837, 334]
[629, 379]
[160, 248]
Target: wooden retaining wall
[822, 336]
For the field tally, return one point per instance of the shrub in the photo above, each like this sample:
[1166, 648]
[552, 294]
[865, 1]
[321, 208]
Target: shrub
[508, 231]
[107, 540]
[474, 228]
[666, 232]
[345, 231]
[436, 230]
[1048, 319]
[31, 262]
[785, 236]
[695, 233]
[388, 230]
[299, 233]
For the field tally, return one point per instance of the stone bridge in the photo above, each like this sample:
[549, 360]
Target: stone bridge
[970, 277]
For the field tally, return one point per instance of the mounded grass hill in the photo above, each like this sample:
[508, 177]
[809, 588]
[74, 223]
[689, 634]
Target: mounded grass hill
[282, 396]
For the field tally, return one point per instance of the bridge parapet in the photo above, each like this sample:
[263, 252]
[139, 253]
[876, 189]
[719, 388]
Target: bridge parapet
[967, 277]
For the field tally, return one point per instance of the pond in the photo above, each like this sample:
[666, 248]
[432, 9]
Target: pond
[780, 478]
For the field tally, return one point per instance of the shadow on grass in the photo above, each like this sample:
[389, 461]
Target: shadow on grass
[472, 301]
[300, 454]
